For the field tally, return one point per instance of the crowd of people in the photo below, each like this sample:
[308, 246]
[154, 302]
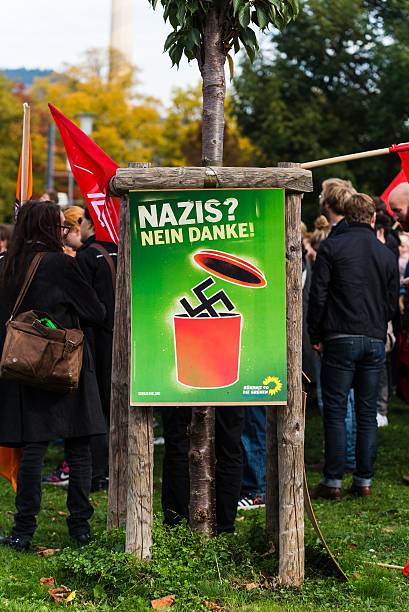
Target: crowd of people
[355, 340]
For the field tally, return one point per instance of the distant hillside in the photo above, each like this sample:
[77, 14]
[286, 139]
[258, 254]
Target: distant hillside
[23, 75]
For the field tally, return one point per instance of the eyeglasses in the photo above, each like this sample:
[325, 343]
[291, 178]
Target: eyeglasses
[65, 229]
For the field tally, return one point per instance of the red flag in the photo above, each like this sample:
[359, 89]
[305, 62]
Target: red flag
[92, 169]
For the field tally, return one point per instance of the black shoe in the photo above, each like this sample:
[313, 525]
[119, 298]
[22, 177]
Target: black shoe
[82, 539]
[101, 484]
[19, 543]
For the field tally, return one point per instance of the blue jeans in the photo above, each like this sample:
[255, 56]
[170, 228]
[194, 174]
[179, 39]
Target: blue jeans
[253, 440]
[351, 361]
[350, 421]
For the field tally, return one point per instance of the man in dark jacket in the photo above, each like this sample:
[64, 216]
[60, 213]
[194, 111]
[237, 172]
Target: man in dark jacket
[354, 294]
[335, 192]
[94, 260]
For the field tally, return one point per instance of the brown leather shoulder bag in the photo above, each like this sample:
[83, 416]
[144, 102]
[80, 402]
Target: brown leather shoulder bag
[37, 355]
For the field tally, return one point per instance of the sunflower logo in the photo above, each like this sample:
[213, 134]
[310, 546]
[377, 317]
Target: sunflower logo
[274, 383]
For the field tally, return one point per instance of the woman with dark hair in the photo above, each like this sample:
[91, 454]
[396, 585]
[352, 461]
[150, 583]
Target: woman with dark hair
[30, 417]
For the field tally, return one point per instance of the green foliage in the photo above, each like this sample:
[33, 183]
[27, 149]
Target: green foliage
[188, 18]
[181, 560]
[332, 84]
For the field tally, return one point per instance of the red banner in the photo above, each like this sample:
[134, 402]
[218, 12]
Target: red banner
[92, 169]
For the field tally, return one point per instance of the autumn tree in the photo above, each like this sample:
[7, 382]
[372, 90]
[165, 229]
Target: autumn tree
[207, 31]
[182, 129]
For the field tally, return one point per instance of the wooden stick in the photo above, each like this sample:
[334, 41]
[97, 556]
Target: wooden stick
[344, 158]
[118, 438]
[386, 565]
[139, 512]
[290, 420]
[25, 153]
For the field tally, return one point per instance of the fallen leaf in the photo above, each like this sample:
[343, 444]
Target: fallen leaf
[163, 602]
[70, 597]
[352, 546]
[59, 594]
[211, 605]
[387, 530]
[47, 552]
[356, 575]
[252, 585]
[61, 513]
[47, 581]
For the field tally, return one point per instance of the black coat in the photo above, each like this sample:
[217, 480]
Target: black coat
[98, 274]
[355, 286]
[33, 415]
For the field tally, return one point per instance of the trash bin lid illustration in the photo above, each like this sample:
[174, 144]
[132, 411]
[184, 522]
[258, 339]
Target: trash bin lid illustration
[230, 268]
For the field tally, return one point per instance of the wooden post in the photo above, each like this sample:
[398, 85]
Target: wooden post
[139, 515]
[272, 505]
[290, 420]
[118, 438]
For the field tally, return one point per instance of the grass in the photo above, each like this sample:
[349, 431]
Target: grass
[361, 533]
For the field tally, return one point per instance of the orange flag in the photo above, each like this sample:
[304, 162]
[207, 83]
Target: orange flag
[24, 188]
[10, 464]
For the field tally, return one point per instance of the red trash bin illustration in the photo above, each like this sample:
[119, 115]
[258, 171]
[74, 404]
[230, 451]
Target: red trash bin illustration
[208, 341]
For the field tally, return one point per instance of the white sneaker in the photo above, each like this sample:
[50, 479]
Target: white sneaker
[381, 420]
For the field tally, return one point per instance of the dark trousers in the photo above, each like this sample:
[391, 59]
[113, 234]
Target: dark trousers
[254, 445]
[352, 361]
[229, 425]
[102, 346]
[28, 496]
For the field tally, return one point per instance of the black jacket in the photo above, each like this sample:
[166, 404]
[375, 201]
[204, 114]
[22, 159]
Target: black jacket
[355, 286]
[338, 229]
[99, 276]
[28, 414]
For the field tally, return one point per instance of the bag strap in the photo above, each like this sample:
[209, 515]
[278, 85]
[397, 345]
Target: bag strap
[108, 259]
[27, 282]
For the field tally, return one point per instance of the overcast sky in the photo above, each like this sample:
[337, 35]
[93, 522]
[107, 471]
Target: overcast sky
[47, 33]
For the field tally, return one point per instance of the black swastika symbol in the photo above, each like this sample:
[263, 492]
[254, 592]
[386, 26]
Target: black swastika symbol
[205, 307]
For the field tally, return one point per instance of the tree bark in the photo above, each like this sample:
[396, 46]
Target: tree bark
[202, 507]
[118, 438]
[211, 66]
[290, 420]
[202, 460]
[139, 515]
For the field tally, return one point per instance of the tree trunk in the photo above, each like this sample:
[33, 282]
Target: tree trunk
[118, 438]
[202, 507]
[202, 461]
[211, 66]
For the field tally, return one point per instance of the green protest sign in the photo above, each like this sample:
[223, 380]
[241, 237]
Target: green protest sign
[208, 321]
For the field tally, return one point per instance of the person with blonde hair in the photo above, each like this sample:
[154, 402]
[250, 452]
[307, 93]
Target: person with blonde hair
[335, 193]
[73, 216]
[321, 230]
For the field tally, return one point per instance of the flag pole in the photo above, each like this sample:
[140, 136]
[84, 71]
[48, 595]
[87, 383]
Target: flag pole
[25, 154]
[352, 156]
